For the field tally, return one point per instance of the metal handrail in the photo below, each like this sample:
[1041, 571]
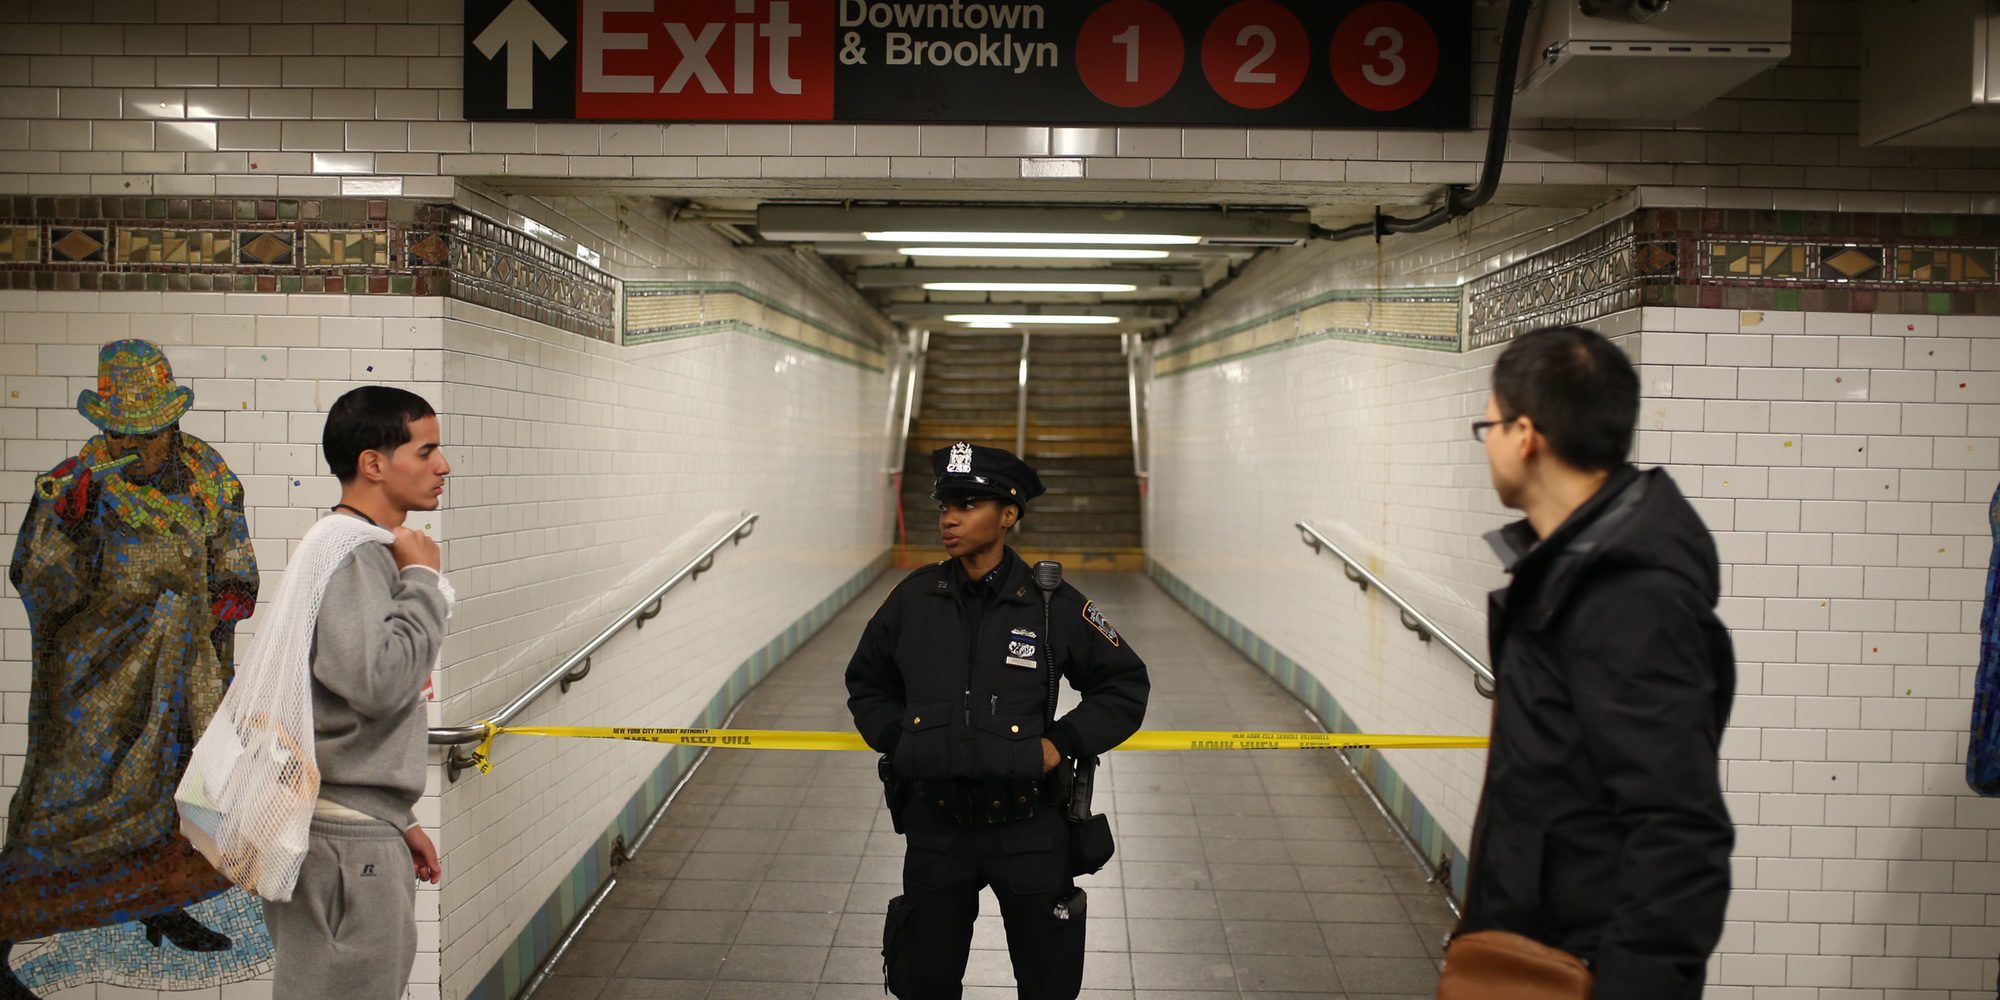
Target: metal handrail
[577, 665]
[1021, 403]
[1413, 619]
[1134, 357]
[912, 375]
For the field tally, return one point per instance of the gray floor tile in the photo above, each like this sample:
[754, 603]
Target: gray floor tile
[1287, 973]
[1173, 903]
[774, 963]
[1373, 941]
[570, 988]
[761, 991]
[1388, 975]
[1274, 937]
[704, 866]
[1166, 936]
[806, 897]
[690, 894]
[593, 958]
[656, 989]
[853, 965]
[1235, 905]
[1260, 878]
[672, 960]
[692, 926]
[815, 929]
[1182, 972]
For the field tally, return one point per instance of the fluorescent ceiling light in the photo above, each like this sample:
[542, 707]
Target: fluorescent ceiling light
[989, 326]
[1078, 239]
[1030, 319]
[1052, 253]
[1028, 286]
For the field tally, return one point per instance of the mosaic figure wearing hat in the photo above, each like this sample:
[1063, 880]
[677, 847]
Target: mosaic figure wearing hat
[134, 565]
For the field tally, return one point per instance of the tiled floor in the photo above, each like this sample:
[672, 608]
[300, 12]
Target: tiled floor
[1239, 874]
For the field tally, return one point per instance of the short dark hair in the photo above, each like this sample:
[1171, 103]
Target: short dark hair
[371, 418]
[1579, 389]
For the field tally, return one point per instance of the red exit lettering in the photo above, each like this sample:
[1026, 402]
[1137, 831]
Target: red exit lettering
[692, 60]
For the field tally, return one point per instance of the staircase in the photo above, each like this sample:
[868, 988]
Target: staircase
[1079, 441]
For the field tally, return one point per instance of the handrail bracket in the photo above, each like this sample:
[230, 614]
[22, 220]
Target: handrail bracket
[652, 610]
[578, 674]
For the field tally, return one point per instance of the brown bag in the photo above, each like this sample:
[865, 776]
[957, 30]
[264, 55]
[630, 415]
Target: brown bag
[1498, 965]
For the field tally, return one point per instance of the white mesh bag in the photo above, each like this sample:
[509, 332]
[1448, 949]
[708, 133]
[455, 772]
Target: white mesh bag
[246, 801]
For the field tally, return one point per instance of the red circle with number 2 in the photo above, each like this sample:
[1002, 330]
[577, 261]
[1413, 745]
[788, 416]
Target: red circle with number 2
[1255, 54]
[1385, 56]
[1130, 53]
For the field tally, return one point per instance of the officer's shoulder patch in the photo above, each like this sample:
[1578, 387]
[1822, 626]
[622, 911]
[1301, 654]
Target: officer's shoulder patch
[1095, 616]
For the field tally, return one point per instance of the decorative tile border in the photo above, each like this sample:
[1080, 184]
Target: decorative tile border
[1402, 803]
[1823, 261]
[492, 265]
[669, 310]
[1427, 318]
[1731, 259]
[1588, 277]
[334, 245]
[536, 940]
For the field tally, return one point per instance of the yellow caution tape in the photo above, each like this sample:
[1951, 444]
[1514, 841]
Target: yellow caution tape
[789, 739]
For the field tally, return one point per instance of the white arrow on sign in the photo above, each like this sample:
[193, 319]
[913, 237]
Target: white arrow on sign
[520, 29]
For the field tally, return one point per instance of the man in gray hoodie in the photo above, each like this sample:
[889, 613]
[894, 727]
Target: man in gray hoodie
[349, 930]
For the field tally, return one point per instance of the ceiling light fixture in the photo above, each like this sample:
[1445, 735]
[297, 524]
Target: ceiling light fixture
[1076, 239]
[1028, 286]
[1046, 253]
[1030, 319]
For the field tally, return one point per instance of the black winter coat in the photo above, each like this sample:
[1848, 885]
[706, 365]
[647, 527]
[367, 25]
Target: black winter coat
[946, 704]
[1602, 829]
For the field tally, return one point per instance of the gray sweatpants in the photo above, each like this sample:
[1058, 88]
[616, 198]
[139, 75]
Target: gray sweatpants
[349, 932]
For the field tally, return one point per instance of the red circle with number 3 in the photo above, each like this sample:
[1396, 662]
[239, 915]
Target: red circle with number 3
[1385, 56]
[1255, 54]
[1130, 53]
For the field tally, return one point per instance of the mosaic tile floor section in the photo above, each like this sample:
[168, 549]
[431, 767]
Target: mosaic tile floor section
[1239, 875]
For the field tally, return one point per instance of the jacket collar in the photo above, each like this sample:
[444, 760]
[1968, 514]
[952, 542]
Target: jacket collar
[1551, 566]
[1015, 584]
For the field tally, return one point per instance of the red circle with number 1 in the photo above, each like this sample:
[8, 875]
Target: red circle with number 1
[1385, 56]
[1130, 53]
[1255, 54]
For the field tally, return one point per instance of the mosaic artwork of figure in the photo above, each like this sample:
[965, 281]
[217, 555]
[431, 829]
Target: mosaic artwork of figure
[134, 566]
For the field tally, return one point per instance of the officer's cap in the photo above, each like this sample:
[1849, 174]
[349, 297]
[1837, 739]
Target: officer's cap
[974, 470]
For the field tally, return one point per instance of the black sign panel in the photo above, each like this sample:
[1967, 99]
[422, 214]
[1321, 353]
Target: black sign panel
[1365, 64]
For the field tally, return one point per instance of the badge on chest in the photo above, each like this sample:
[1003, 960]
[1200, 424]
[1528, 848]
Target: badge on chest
[1022, 646]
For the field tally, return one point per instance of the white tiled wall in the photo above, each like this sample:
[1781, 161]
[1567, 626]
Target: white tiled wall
[248, 97]
[1844, 463]
[1371, 445]
[583, 472]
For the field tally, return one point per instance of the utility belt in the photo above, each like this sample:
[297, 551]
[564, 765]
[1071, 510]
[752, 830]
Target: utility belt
[969, 801]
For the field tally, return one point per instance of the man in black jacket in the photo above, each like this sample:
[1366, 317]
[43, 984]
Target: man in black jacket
[1601, 829]
[951, 682]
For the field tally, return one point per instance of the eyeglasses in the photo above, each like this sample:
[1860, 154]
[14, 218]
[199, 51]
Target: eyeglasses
[1480, 427]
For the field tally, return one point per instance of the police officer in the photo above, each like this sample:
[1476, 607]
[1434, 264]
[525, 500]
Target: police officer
[950, 683]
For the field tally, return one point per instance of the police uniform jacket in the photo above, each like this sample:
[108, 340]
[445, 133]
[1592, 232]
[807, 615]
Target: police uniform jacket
[946, 703]
[1602, 829]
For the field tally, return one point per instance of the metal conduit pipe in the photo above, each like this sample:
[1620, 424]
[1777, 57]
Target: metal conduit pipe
[1460, 200]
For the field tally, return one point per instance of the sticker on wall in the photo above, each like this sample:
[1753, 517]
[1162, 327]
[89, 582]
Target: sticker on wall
[134, 565]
